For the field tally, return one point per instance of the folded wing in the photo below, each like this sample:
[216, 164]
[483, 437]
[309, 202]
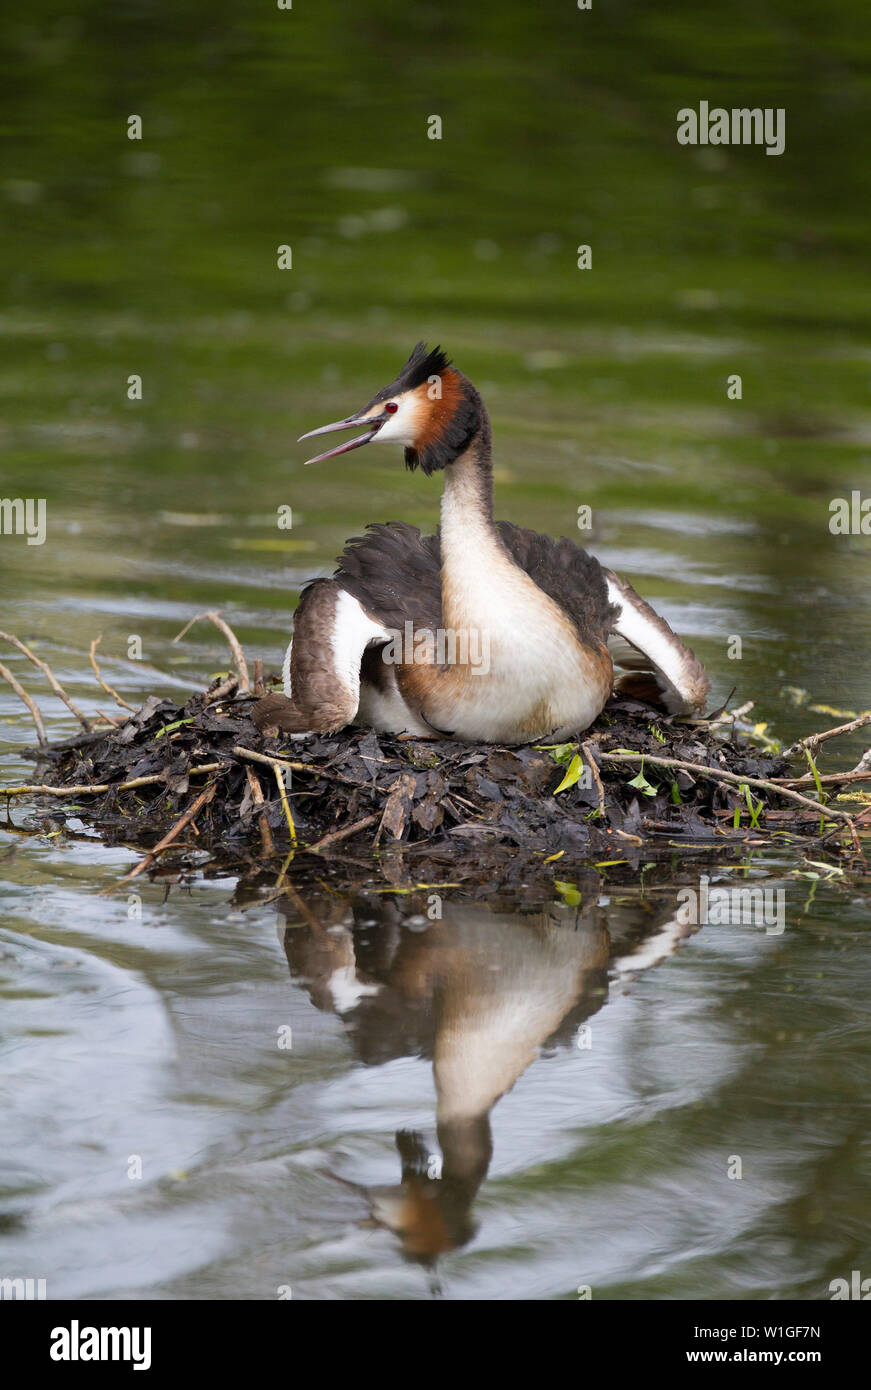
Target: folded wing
[658, 666]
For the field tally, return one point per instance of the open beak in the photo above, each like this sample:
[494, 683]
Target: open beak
[373, 424]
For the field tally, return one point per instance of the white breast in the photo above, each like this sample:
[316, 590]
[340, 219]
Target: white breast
[536, 668]
[387, 712]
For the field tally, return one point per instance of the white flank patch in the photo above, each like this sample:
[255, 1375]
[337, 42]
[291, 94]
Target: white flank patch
[636, 627]
[683, 682]
[353, 631]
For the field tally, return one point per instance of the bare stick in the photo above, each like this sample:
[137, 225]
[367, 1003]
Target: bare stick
[594, 770]
[294, 767]
[282, 792]
[836, 778]
[633, 839]
[814, 740]
[202, 800]
[224, 689]
[29, 702]
[262, 821]
[119, 699]
[46, 670]
[336, 835]
[97, 788]
[116, 723]
[719, 775]
[238, 655]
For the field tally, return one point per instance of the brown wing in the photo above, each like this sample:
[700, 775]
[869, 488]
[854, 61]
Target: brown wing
[395, 572]
[569, 575]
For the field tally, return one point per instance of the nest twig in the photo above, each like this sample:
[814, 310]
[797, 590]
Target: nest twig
[46, 670]
[235, 647]
[135, 779]
[29, 701]
[185, 819]
[119, 699]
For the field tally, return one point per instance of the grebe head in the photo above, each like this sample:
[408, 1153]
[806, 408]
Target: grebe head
[431, 409]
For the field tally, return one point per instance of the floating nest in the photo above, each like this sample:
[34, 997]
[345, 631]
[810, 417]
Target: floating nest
[198, 779]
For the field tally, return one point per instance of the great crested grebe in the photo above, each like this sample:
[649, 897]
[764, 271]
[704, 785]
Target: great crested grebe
[485, 632]
[482, 993]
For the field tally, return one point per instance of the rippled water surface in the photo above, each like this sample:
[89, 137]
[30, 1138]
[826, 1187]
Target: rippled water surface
[546, 1089]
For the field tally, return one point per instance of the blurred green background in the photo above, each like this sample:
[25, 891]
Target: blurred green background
[308, 128]
[607, 387]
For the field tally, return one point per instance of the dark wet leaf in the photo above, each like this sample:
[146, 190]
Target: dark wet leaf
[398, 805]
[429, 813]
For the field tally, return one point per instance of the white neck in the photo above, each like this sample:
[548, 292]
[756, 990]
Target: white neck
[475, 563]
[531, 674]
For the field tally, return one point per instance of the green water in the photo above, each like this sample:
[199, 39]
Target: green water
[156, 1036]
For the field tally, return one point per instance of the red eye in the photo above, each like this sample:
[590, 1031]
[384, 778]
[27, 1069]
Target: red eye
[391, 408]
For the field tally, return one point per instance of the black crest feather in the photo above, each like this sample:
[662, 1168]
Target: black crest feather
[458, 431]
[421, 365]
